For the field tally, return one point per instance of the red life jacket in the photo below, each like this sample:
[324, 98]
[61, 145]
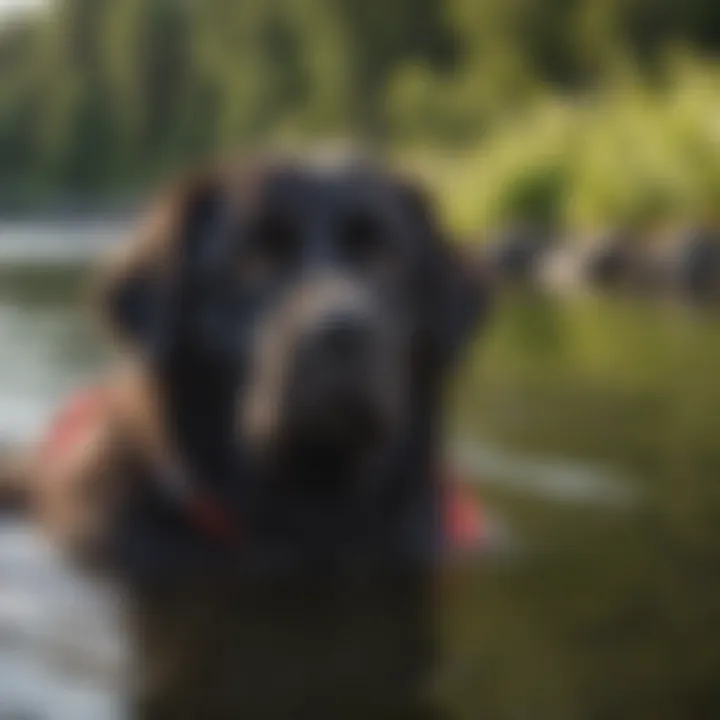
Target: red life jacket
[466, 525]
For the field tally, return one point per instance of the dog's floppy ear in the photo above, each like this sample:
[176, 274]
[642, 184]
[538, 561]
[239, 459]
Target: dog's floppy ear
[141, 290]
[455, 292]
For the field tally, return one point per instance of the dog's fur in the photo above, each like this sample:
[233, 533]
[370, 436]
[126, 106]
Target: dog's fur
[320, 443]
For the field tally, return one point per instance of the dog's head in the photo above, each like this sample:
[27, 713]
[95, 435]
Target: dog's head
[319, 303]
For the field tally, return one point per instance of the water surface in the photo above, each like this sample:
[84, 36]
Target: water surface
[590, 426]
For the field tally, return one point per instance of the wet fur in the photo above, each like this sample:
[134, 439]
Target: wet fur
[197, 604]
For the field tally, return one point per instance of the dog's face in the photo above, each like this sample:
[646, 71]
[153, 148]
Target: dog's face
[323, 294]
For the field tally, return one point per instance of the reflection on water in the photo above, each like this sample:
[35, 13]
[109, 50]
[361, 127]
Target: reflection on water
[60, 649]
[46, 341]
[46, 345]
[609, 610]
[555, 479]
[67, 241]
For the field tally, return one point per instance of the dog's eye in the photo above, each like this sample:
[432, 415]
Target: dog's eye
[363, 239]
[276, 236]
[272, 246]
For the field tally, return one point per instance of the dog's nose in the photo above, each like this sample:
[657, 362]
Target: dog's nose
[343, 335]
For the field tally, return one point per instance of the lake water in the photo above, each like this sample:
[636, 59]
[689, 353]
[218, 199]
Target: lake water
[48, 342]
[590, 426]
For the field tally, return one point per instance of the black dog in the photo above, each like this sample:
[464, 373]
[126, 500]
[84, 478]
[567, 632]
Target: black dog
[275, 513]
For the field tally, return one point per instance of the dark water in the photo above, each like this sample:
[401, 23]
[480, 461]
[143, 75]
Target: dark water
[611, 609]
[592, 427]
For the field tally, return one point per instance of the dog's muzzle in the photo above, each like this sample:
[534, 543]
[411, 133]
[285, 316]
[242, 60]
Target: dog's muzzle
[328, 377]
[335, 392]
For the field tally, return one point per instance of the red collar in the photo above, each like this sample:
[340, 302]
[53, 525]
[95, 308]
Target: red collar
[464, 522]
[204, 510]
[73, 427]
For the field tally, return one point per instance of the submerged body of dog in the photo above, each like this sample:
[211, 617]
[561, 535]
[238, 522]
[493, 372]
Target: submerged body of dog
[265, 481]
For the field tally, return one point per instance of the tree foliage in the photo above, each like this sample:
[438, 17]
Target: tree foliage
[102, 93]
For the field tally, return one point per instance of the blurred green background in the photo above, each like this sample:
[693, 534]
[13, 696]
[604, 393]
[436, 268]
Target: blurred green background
[584, 112]
[593, 419]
